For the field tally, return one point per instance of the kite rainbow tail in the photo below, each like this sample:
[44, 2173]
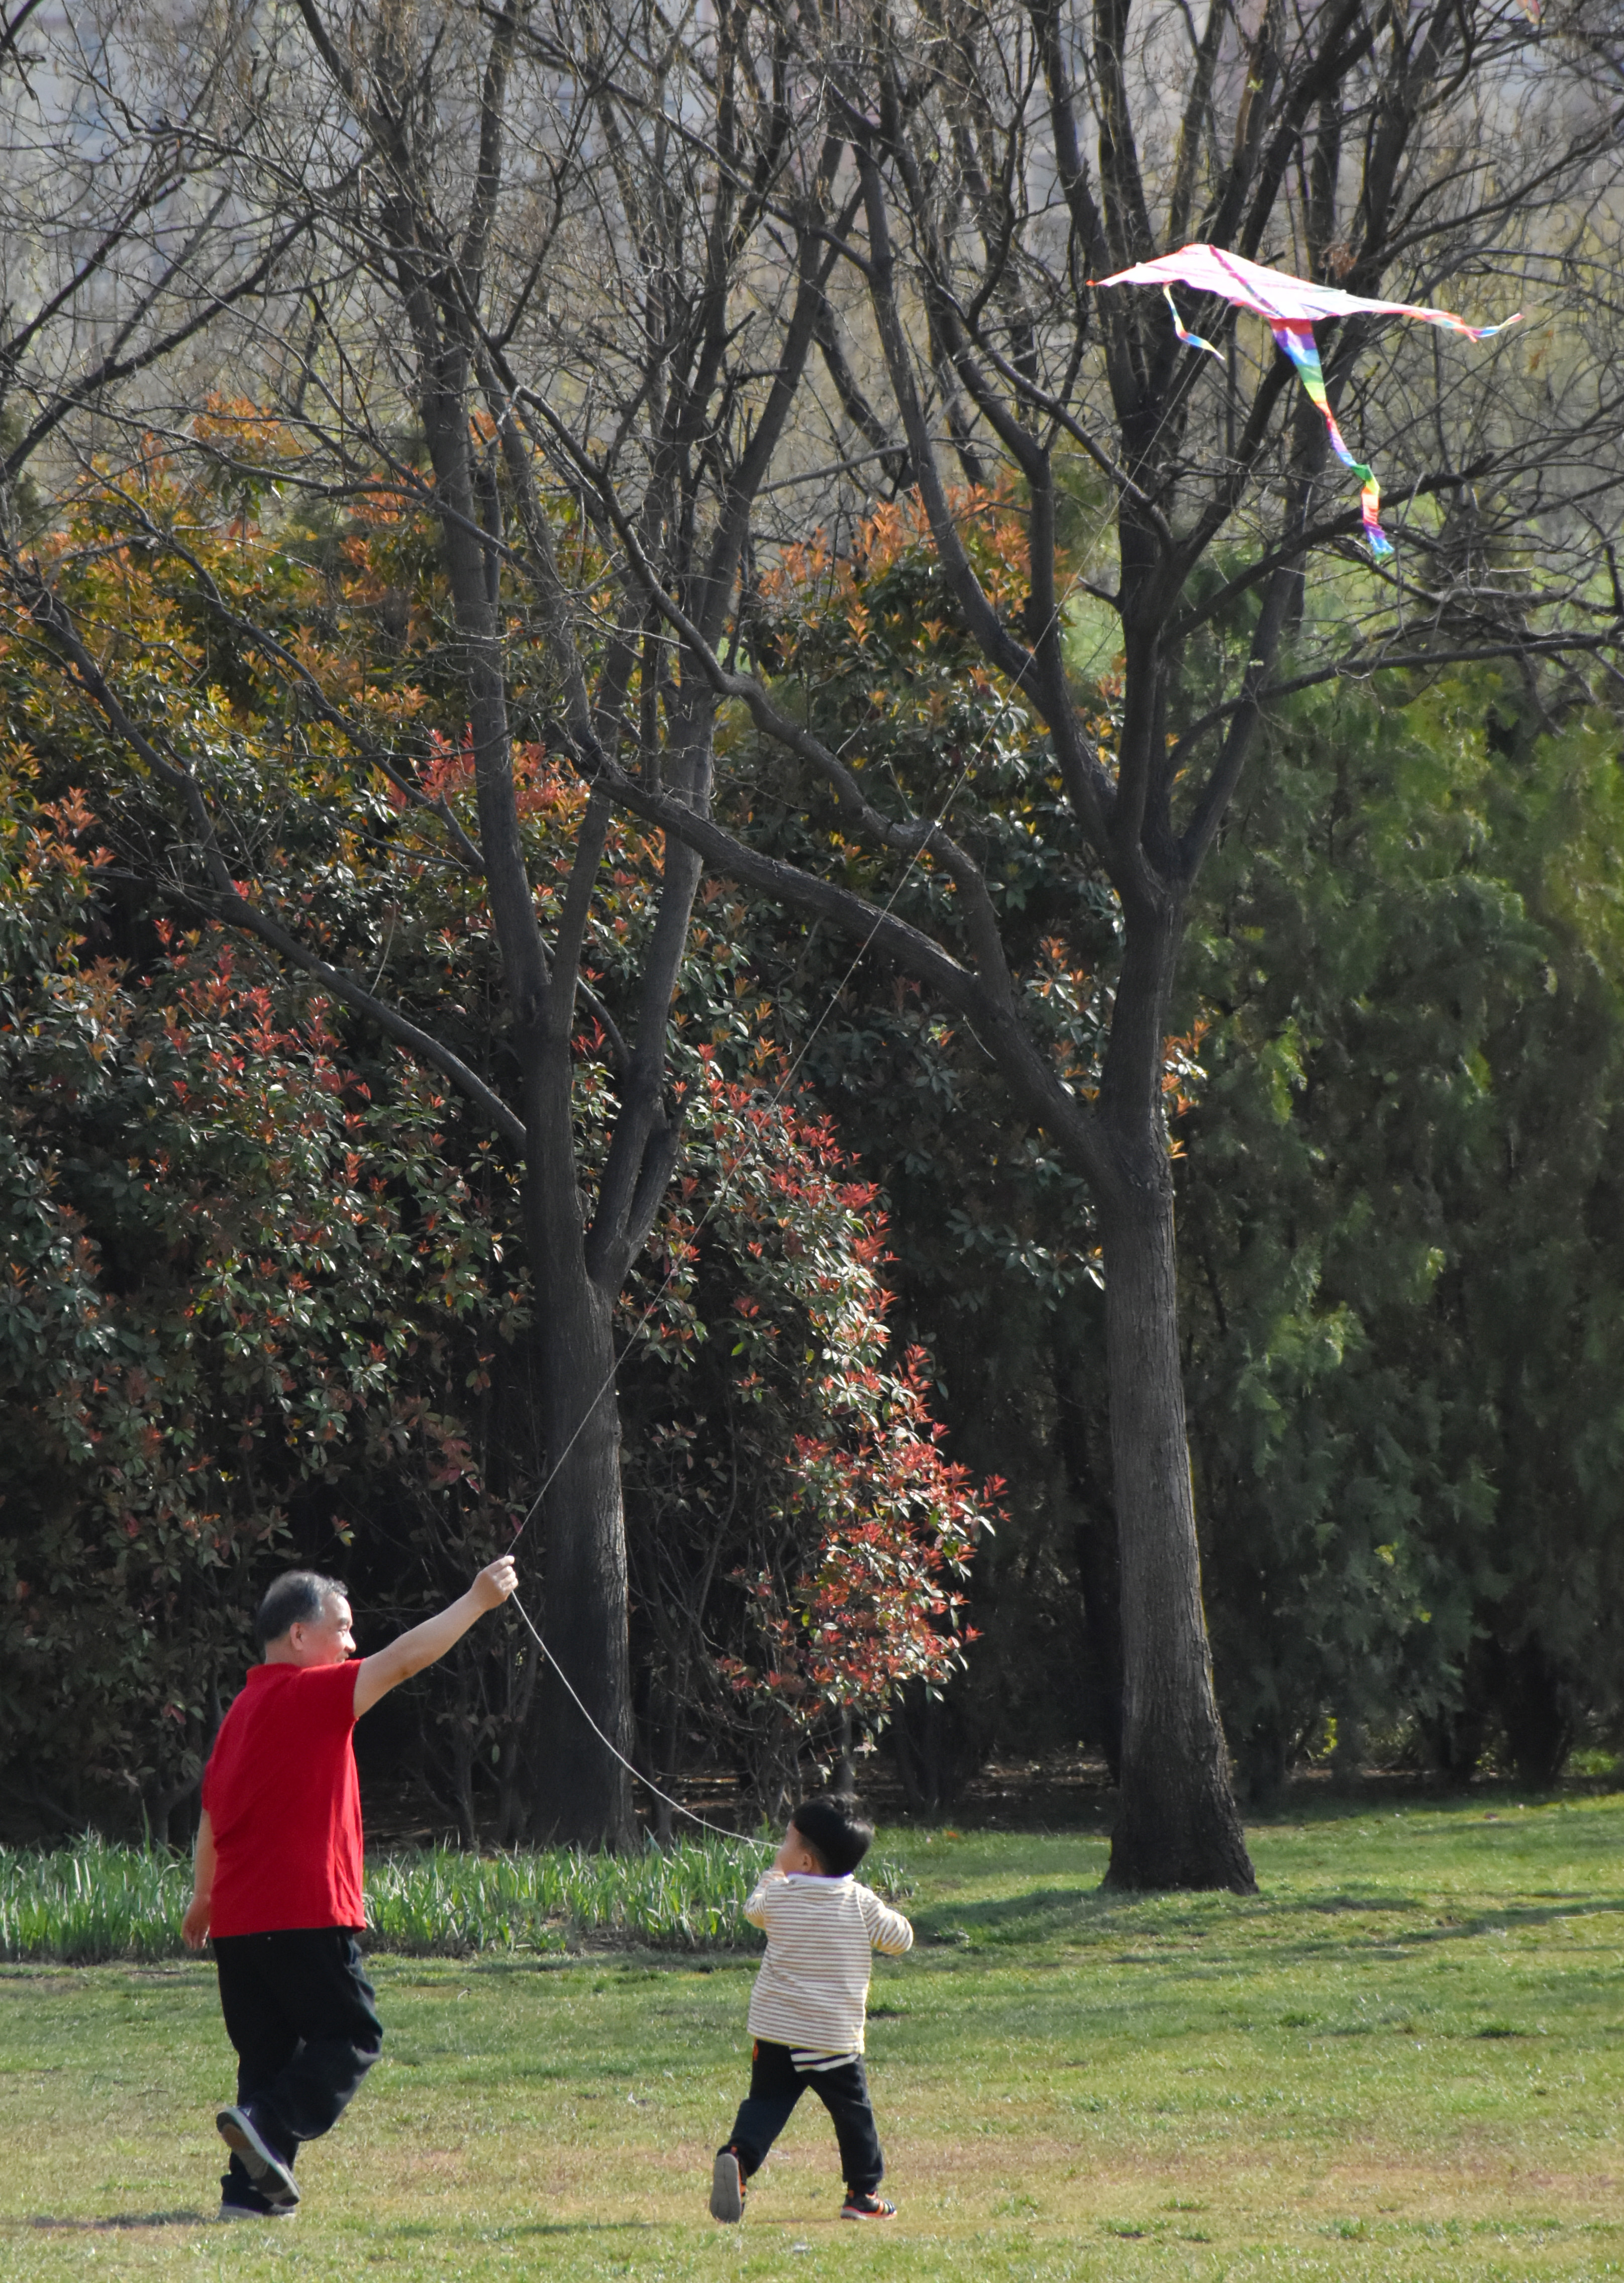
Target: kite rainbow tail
[1191, 341]
[1297, 341]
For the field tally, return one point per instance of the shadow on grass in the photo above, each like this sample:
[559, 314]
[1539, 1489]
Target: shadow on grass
[1108, 1915]
[1432, 1926]
[120, 2220]
[1312, 1801]
[942, 1921]
[583, 2227]
[412, 1972]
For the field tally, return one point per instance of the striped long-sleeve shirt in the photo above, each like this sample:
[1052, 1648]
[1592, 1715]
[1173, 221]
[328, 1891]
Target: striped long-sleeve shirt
[813, 1988]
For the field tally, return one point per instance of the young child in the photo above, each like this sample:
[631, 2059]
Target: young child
[277, 1881]
[807, 2010]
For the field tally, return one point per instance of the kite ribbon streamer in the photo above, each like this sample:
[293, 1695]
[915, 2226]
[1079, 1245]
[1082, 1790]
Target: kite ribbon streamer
[1297, 343]
[1191, 341]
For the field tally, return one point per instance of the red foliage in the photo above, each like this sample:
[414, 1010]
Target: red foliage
[867, 1529]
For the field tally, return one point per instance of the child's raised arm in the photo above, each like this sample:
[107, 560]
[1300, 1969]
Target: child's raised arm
[427, 1643]
[888, 1930]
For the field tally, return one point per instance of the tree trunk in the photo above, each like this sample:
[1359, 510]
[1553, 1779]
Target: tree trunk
[1178, 1825]
[1077, 1438]
[581, 1795]
[845, 1767]
[1535, 1700]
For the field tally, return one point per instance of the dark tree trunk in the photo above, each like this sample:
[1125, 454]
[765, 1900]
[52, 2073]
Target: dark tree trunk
[1178, 1825]
[1535, 1701]
[1455, 1744]
[1099, 1574]
[1262, 1764]
[581, 1795]
[923, 1742]
[1098, 1567]
[1455, 1739]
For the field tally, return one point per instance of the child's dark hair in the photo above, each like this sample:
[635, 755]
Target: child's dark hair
[297, 1599]
[836, 1829]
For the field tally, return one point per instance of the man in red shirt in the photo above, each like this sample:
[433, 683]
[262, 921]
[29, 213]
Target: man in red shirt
[278, 1883]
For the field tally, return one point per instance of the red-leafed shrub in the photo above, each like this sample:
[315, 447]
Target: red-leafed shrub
[833, 1533]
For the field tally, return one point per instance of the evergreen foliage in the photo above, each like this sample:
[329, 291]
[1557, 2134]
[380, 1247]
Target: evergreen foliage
[262, 1300]
[1400, 1270]
[1400, 1215]
[268, 1300]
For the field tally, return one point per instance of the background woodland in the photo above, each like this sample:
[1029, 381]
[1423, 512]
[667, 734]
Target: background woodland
[535, 629]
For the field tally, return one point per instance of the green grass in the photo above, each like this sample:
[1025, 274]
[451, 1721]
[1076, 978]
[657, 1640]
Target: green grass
[1400, 2061]
[88, 1905]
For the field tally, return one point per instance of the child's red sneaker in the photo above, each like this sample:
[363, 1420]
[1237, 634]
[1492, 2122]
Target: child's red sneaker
[868, 2206]
[727, 2186]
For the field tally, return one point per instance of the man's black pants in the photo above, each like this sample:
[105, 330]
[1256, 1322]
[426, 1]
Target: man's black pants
[300, 2011]
[776, 2084]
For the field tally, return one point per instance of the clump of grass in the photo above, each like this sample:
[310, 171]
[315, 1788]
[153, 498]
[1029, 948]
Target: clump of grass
[84, 1904]
[92, 1903]
[445, 1902]
[892, 1882]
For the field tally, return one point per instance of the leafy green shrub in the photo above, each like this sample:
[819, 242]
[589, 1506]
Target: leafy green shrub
[84, 1905]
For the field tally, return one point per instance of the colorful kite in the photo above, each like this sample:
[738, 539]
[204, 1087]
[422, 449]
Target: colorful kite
[1289, 306]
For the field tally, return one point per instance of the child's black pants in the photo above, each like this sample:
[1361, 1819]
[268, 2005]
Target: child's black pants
[300, 2011]
[776, 2084]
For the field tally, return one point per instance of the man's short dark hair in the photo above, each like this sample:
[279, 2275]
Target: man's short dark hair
[836, 1829]
[297, 1599]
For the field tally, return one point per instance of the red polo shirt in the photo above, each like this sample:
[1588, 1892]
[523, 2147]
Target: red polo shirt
[285, 1803]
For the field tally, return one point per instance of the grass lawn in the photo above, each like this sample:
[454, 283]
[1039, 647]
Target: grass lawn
[1401, 2060]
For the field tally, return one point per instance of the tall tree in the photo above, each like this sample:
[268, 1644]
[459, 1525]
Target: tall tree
[1003, 156]
[579, 192]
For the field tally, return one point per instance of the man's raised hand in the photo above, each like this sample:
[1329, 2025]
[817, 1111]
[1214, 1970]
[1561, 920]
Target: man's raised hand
[495, 1583]
[427, 1643]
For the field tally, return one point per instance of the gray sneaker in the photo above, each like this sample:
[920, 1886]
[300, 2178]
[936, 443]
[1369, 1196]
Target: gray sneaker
[230, 2210]
[727, 2186]
[267, 2170]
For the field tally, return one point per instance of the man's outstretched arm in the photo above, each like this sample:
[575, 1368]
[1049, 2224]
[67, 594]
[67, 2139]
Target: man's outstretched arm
[427, 1643]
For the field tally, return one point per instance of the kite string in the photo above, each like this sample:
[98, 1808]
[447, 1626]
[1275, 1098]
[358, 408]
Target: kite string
[743, 1158]
[643, 1321]
[734, 1838]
